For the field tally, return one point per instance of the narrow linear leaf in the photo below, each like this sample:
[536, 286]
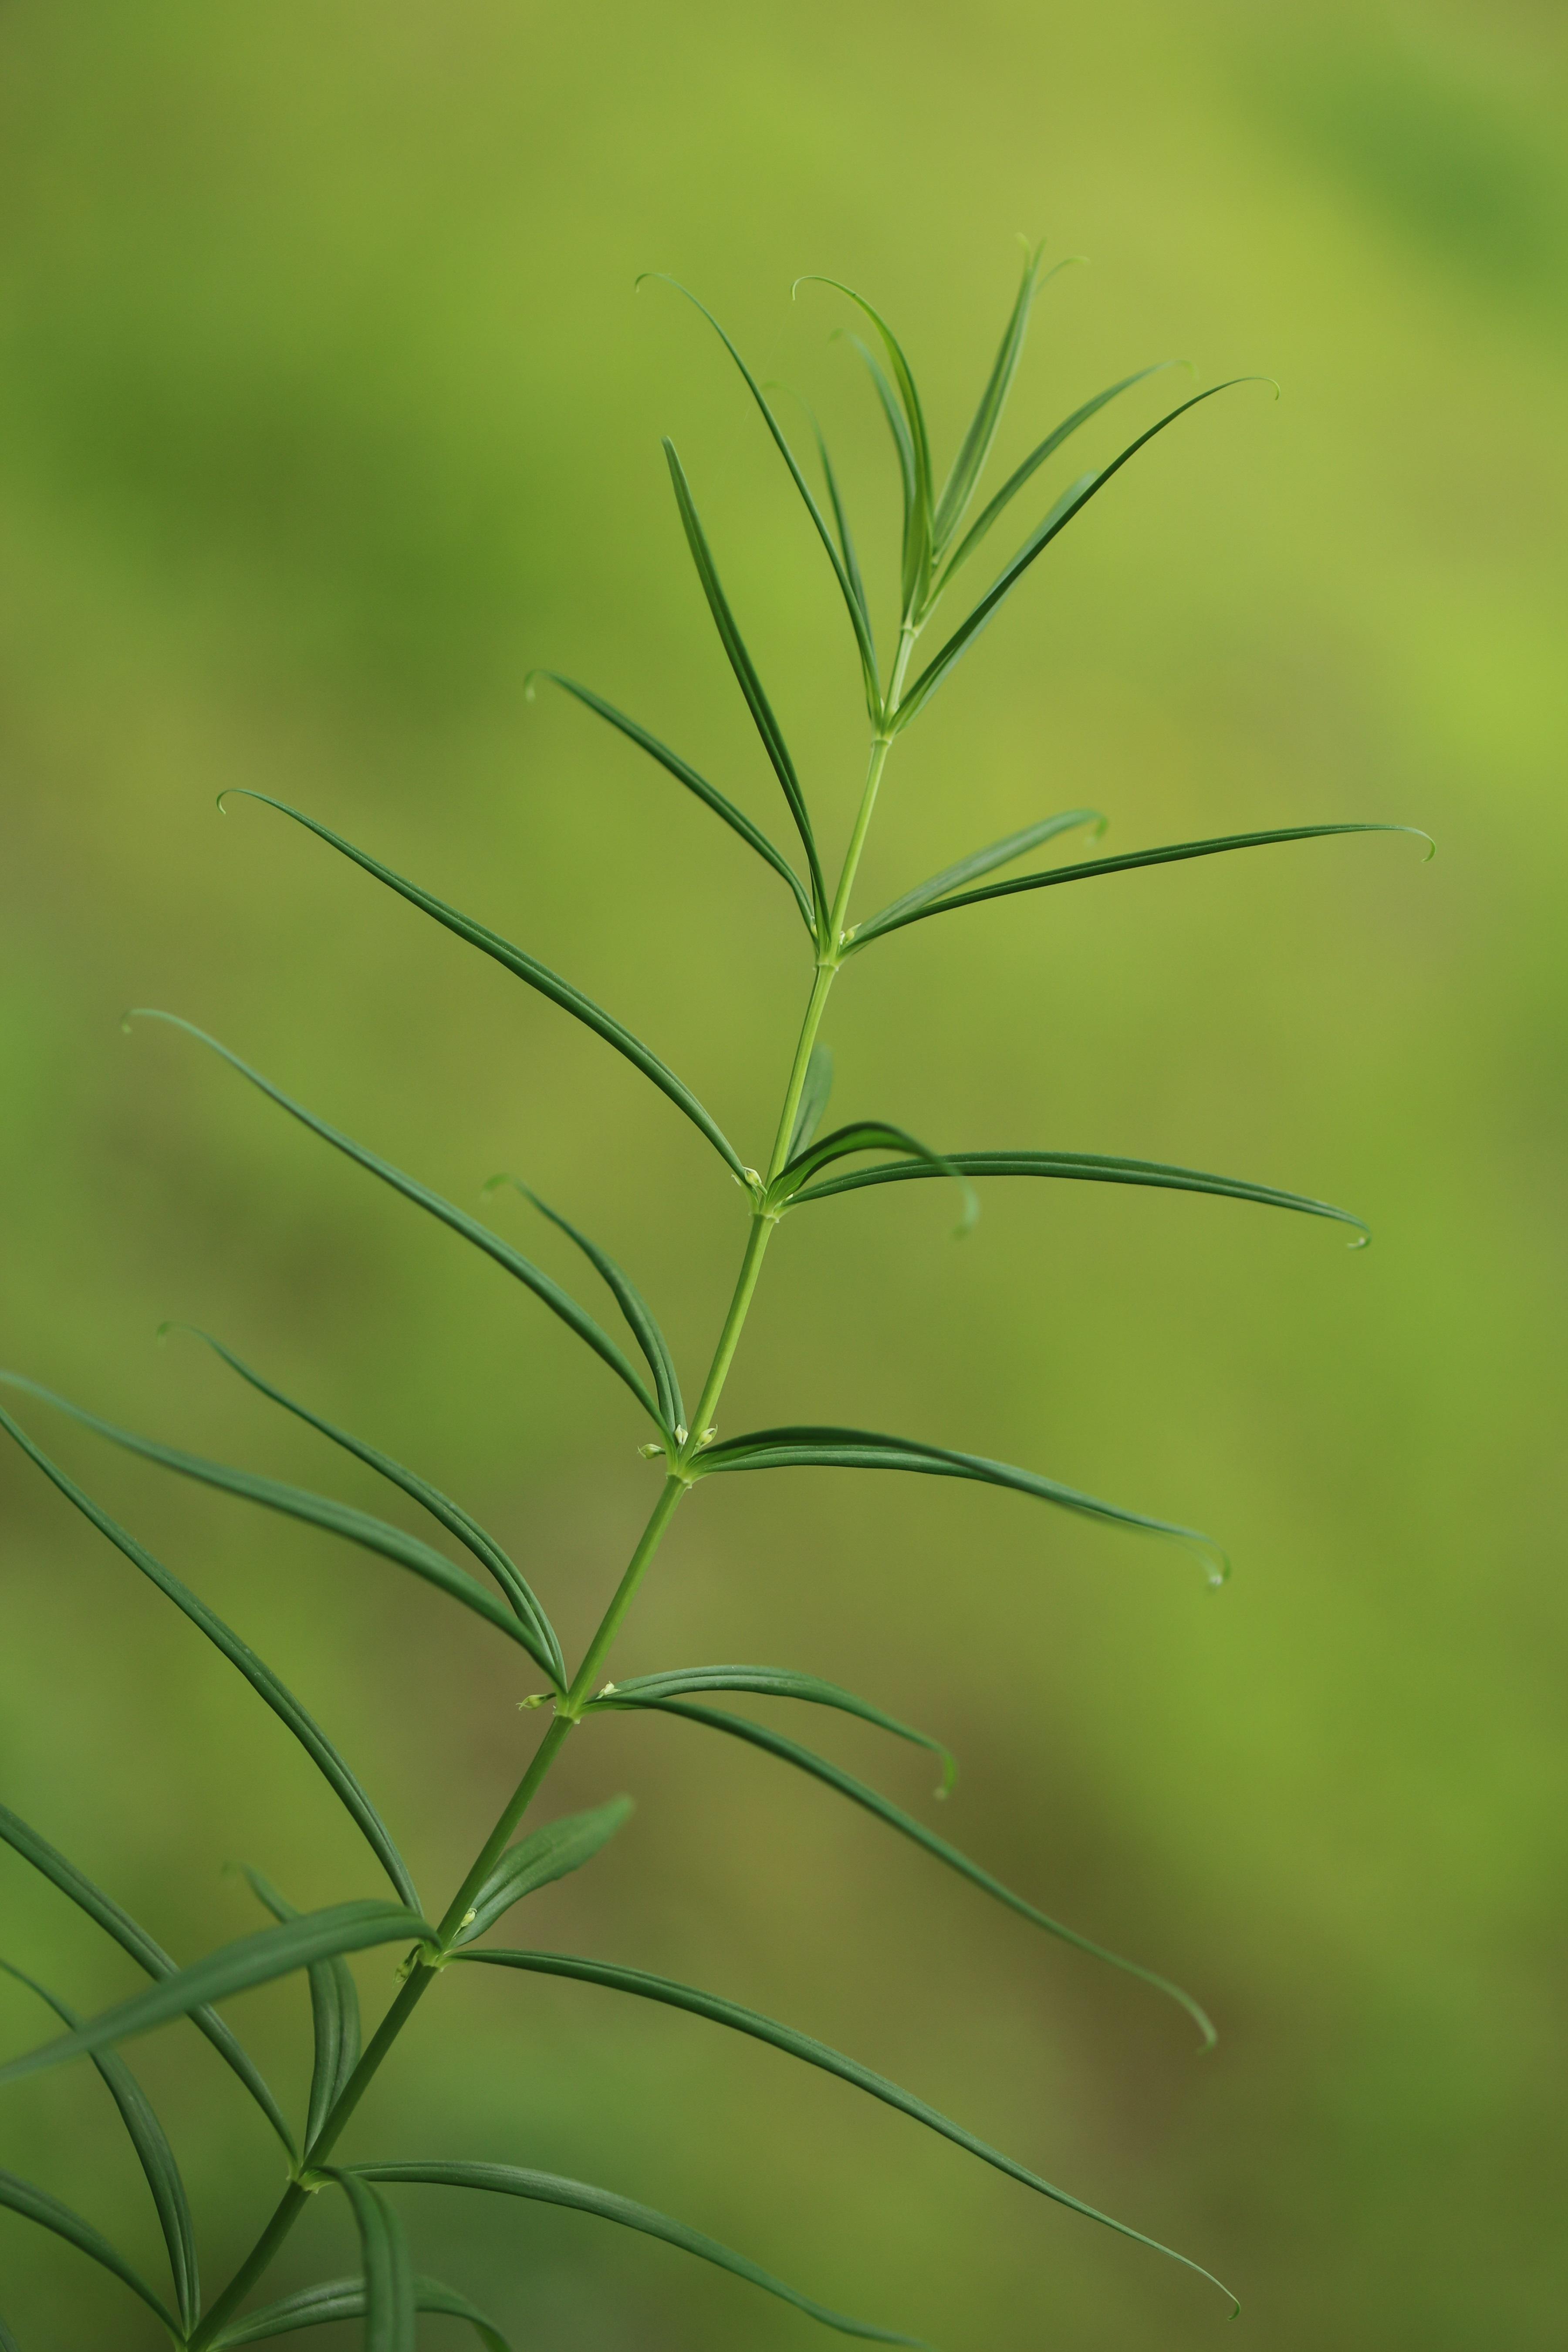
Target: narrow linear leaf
[1037, 458]
[970, 869]
[746, 677]
[859, 618]
[804, 1759]
[579, 2197]
[904, 450]
[538, 1860]
[255, 1959]
[458, 1522]
[389, 2304]
[1169, 854]
[639, 1314]
[317, 2307]
[153, 2154]
[814, 1096]
[525, 967]
[1070, 503]
[976, 447]
[812, 2053]
[768, 1682]
[1092, 1168]
[334, 2015]
[576, 1317]
[37, 2205]
[865, 1449]
[841, 520]
[335, 1519]
[866, 1135]
[920, 441]
[259, 1674]
[710, 794]
[134, 1939]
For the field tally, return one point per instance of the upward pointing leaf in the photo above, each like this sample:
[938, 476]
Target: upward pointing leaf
[153, 2154]
[751, 685]
[919, 553]
[527, 968]
[969, 870]
[814, 1096]
[259, 1675]
[975, 447]
[538, 1860]
[133, 1939]
[578, 2196]
[389, 2304]
[334, 2015]
[457, 1219]
[904, 450]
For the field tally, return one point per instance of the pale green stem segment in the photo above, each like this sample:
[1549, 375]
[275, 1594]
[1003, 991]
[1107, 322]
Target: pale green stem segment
[428, 1963]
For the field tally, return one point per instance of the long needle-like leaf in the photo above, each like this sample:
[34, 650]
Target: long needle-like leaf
[338, 2299]
[389, 2303]
[334, 2015]
[1012, 847]
[767, 1682]
[37, 2205]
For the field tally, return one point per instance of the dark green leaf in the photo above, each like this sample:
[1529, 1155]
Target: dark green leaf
[1170, 854]
[334, 2015]
[814, 1096]
[768, 1682]
[1069, 504]
[1037, 458]
[148, 1955]
[684, 774]
[153, 2154]
[389, 2306]
[751, 685]
[841, 522]
[526, 967]
[969, 870]
[865, 1135]
[270, 1953]
[858, 617]
[806, 1761]
[1088, 1168]
[574, 1318]
[260, 1676]
[904, 450]
[577, 2196]
[627, 1298]
[316, 2306]
[7, 2341]
[336, 1518]
[815, 2053]
[458, 1522]
[38, 2205]
[866, 1449]
[540, 1858]
[919, 556]
[976, 447]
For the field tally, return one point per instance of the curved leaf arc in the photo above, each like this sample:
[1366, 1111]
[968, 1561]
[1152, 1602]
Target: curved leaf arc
[334, 2015]
[341, 2299]
[389, 2306]
[540, 1859]
[768, 1682]
[522, 965]
[919, 546]
[866, 1135]
[34, 2204]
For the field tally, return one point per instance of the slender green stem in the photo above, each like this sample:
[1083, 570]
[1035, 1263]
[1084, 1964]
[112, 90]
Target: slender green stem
[587, 1675]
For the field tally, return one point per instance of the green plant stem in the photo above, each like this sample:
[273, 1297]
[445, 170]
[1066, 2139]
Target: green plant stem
[427, 1966]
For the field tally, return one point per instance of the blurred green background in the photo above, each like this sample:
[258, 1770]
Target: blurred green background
[326, 409]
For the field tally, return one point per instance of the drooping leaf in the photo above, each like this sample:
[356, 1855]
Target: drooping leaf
[322, 1511]
[804, 2046]
[576, 1317]
[806, 1760]
[578, 2196]
[255, 1959]
[133, 1939]
[1035, 459]
[685, 774]
[259, 1674]
[37, 2205]
[389, 2304]
[858, 617]
[814, 1096]
[975, 447]
[918, 569]
[969, 870]
[767, 1682]
[639, 1314]
[1070, 503]
[807, 1447]
[153, 2154]
[1171, 853]
[540, 1858]
[317, 2307]
[527, 968]
[865, 1135]
[334, 2015]
[448, 1514]
[1092, 1168]
[746, 677]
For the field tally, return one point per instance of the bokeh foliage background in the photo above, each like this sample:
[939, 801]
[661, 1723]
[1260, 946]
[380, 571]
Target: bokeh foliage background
[326, 408]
